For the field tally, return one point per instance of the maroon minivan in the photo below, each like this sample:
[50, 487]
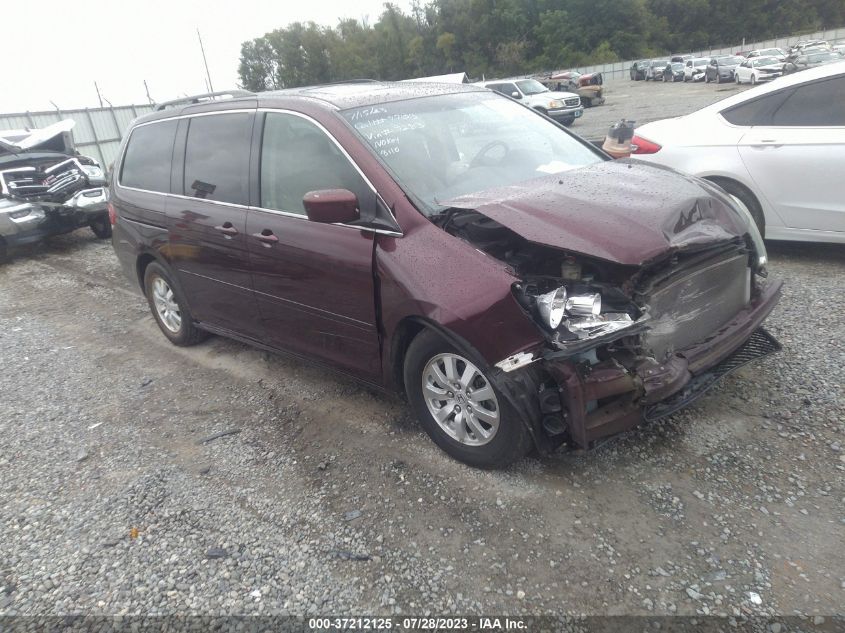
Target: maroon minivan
[445, 242]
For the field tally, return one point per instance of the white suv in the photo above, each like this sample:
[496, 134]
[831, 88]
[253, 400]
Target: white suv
[563, 107]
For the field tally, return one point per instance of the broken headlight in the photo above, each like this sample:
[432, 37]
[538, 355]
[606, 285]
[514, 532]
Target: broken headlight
[551, 307]
[584, 305]
[93, 171]
[573, 316]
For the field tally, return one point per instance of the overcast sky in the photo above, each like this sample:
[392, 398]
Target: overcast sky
[54, 50]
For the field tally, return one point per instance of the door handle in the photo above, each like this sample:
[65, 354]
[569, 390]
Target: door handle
[267, 237]
[227, 229]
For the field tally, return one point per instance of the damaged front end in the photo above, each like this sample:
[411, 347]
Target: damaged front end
[46, 187]
[625, 339]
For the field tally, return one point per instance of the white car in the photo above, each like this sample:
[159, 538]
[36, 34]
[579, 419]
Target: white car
[694, 68]
[758, 69]
[778, 149]
[768, 52]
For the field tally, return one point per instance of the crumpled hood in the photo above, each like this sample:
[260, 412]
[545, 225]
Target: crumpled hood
[620, 211]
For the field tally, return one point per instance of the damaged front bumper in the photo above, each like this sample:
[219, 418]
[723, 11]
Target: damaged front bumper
[605, 398]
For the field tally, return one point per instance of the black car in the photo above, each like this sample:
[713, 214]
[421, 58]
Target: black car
[674, 72]
[722, 68]
[638, 70]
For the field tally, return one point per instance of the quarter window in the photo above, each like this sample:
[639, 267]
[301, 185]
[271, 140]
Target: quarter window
[217, 157]
[298, 157]
[755, 112]
[146, 164]
[821, 103]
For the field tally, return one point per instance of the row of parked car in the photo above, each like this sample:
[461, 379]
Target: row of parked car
[744, 67]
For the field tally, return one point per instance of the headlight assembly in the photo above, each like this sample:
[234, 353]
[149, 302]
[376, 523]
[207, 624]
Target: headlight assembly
[551, 307]
[584, 305]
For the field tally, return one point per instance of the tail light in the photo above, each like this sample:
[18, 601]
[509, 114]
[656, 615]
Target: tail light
[640, 145]
[112, 214]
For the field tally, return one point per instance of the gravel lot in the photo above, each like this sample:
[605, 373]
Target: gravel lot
[330, 499]
[643, 102]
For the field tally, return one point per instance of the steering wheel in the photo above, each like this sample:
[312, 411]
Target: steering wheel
[477, 159]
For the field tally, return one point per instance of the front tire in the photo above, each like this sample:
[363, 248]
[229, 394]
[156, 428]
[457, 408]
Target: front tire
[753, 80]
[169, 308]
[460, 409]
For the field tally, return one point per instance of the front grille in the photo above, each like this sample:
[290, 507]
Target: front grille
[573, 102]
[691, 304]
[760, 344]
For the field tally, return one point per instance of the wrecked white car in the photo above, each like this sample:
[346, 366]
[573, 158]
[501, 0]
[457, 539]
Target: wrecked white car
[47, 187]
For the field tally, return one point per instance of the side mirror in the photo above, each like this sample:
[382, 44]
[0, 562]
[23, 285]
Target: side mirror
[331, 205]
[516, 95]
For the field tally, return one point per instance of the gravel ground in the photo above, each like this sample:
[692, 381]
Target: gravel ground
[643, 102]
[328, 498]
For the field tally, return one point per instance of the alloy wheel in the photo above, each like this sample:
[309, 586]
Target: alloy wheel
[460, 399]
[166, 306]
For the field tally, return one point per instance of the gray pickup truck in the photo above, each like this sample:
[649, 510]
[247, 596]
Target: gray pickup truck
[47, 187]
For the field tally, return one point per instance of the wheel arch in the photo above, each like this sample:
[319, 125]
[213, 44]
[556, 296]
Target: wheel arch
[513, 386]
[407, 330]
[720, 179]
[146, 258]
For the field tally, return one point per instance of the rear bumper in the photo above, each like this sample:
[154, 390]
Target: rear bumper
[608, 397]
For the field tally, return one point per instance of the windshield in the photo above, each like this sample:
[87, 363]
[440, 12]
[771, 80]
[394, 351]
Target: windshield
[446, 146]
[701, 62]
[677, 66]
[531, 87]
[730, 60]
[659, 62]
[766, 61]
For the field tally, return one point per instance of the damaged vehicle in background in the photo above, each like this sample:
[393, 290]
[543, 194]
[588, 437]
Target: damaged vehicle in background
[518, 286]
[587, 86]
[47, 187]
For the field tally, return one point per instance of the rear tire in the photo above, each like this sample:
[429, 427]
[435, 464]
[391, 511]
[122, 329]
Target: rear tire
[4, 252]
[478, 439]
[169, 308]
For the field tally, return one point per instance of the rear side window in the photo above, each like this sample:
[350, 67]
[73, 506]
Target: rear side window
[821, 103]
[217, 157]
[146, 164]
[505, 89]
[755, 112]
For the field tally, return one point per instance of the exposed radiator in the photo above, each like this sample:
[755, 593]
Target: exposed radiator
[689, 306]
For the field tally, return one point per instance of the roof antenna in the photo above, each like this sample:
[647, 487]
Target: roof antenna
[204, 61]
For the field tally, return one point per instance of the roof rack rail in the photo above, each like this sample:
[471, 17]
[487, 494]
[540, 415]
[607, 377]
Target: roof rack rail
[362, 80]
[202, 98]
